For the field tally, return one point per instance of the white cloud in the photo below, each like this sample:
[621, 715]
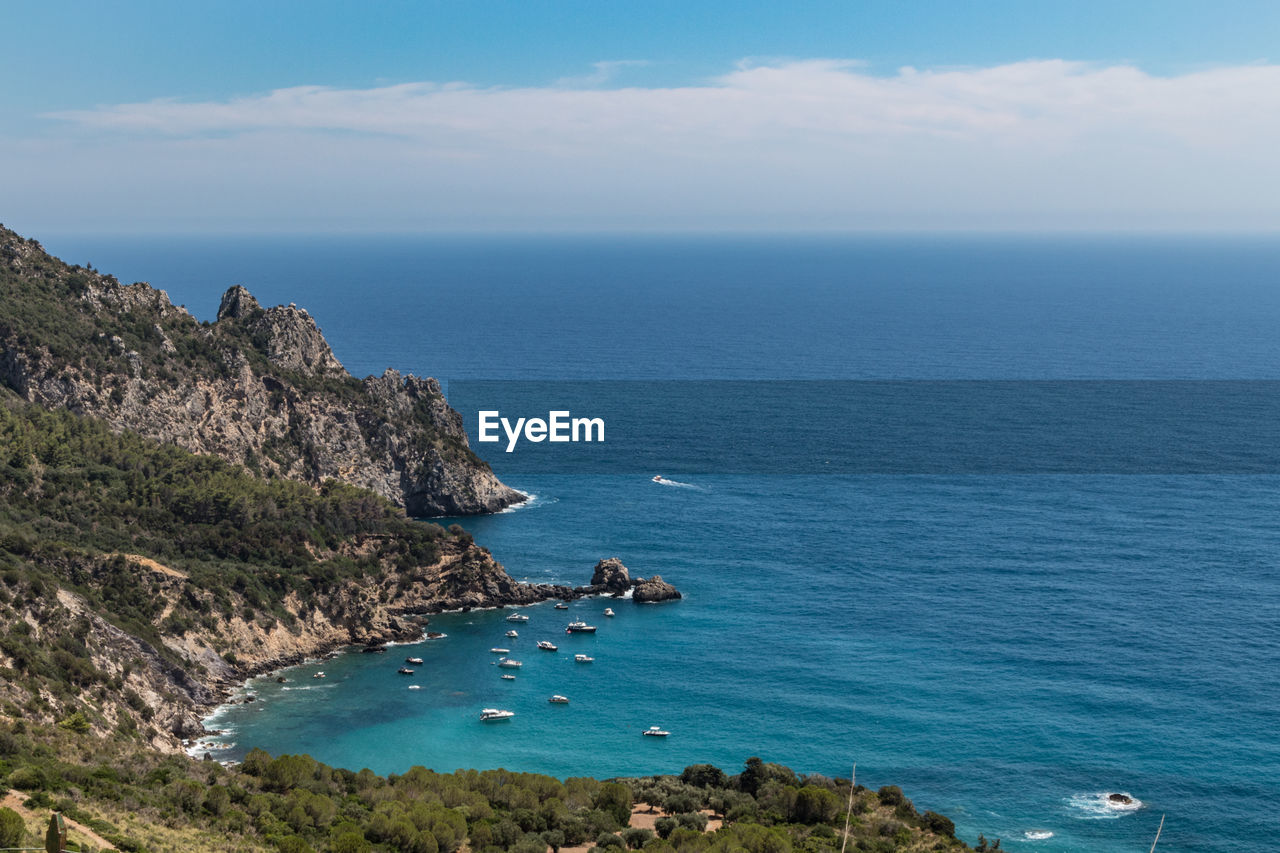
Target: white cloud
[772, 144]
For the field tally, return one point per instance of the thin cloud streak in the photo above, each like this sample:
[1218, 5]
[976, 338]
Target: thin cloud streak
[1045, 143]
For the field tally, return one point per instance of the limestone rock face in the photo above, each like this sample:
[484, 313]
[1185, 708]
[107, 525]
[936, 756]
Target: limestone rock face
[654, 589]
[259, 387]
[611, 576]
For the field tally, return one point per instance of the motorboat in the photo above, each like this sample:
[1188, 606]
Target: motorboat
[436, 635]
[513, 634]
[404, 670]
[413, 660]
[657, 478]
[506, 677]
[608, 611]
[583, 658]
[517, 617]
[508, 663]
[655, 731]
[559, 700]
[491, 714]
[547, 646]
[580, 627]
[415, 686]
[498, 651]
[318, 674]
[562, 606]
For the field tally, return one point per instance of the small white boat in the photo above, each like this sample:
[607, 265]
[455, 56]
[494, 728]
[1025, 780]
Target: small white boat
[513, 634]
[508, 677]
[508, 663]
[608, 611]
[404, 670]
[547, 646]
[415, 686]
[580, 627]
[559, 700]
[562, 606]
[491, 714]
[657, 478]
[583, 658]
[654, 731]
[318, 674]
[517, 617]
[413, 660]
[498, 651]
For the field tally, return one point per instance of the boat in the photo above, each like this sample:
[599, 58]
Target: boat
[608, 611]
[654, 731]
[559, 700]
[436, 635]
[413, 660]
[404, 670]
[509, 663]
[491, 714]
[319, 674]
[513, 634]
[508, 677]
[657, 478]
[415, 686]
[583, 658]
[562, 606]
[498, 651]
[580, 627]
[547, 646]
[517, 617]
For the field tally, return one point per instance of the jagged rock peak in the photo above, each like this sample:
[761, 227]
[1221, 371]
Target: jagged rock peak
[237, 302]
[293, 340]
[611, 575]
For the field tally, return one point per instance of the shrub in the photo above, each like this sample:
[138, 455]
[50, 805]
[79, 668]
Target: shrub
[608, 839]
[13, 830]
[635, 837]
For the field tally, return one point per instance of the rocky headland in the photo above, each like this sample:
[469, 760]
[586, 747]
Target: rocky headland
[258, 386]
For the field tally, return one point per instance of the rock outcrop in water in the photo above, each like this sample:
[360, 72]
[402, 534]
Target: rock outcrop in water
[611, 577]
[653, 590]
[259, 386]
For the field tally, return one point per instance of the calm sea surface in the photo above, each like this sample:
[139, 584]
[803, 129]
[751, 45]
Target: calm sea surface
[1009, 649]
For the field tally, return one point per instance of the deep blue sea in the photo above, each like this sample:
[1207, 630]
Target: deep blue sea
[1007, 648]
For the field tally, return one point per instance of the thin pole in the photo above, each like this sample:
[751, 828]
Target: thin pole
[853, 783]
[1158, 831]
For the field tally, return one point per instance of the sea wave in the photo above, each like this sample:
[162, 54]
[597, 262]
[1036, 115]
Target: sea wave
[1099, 805]
[663, 481]
[530, 501]
[1038, 834]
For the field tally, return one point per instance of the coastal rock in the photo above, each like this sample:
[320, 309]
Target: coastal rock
[611, 576]
[1120, 799]
[654, 589]
[259, 387]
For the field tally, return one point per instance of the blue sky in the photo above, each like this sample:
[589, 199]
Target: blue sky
[639, 115]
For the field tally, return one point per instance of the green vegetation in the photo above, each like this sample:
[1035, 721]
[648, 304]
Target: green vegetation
[73, 494]
[139, 800]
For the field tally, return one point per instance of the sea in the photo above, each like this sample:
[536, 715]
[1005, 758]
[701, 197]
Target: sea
[1011, 642]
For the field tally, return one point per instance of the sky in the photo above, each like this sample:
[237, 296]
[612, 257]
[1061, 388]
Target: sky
[614, 115]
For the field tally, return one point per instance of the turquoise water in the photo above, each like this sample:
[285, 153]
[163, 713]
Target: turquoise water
[1006, 648]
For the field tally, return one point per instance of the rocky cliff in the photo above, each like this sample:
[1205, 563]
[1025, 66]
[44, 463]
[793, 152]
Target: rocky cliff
[259, 386]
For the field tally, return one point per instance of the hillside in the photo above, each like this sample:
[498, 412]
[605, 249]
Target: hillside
[138, 581]
[258, 387]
